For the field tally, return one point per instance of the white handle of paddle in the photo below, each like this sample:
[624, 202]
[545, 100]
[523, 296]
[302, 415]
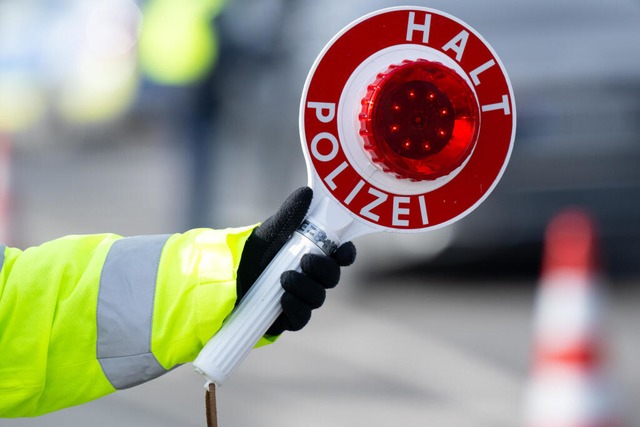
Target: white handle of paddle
[257, 311]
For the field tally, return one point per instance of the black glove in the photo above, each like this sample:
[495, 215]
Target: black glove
[304, 291]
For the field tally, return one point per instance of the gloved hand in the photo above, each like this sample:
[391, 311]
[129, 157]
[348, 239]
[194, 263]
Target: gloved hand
[304, 291]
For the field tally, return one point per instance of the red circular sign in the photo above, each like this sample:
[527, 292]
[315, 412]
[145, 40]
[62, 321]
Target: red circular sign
[387, 202]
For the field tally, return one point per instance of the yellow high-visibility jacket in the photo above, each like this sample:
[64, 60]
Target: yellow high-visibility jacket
[83, 316]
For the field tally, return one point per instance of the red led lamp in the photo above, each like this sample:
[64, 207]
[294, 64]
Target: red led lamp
[407, 122]
[419, 120]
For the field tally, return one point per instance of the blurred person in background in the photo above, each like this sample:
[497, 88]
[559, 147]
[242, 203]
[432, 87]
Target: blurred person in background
[83, 316]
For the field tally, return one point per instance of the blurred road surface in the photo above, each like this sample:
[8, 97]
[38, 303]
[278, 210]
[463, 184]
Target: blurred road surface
[411, 352]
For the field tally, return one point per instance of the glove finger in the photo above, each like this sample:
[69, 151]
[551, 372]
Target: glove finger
[304, 287]
[278, 327]
[277, 229]
[297, 312]
[345, 255]
[321, 268]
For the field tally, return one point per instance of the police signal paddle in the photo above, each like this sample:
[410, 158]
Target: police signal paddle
[407, 122]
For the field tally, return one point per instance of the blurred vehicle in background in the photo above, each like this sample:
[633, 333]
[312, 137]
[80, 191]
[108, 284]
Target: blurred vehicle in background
[577, 144]
[576, 76]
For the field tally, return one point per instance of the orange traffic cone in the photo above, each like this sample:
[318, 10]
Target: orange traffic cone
[568, 386]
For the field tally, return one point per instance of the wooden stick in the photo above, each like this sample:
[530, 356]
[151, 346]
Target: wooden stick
[210, 405]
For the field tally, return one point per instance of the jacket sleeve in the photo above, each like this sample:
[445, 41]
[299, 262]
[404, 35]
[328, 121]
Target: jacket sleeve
[83, 316]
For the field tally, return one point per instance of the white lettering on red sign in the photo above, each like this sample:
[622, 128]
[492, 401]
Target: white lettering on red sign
[504, 105]
[484, 67]
[423, 28]
[324, 136]
[399, 210]
[330, 107]
[354, 192]
[423, 210]
[380, 199]
[329, 179]
[457, 44]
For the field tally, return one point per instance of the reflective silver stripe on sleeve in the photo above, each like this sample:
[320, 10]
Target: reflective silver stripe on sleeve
[125, 311]
[2, 249]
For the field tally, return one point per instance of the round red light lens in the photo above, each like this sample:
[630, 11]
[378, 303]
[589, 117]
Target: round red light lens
[419, 120]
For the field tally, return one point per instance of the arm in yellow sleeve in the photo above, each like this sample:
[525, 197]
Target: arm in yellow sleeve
[83, 316]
